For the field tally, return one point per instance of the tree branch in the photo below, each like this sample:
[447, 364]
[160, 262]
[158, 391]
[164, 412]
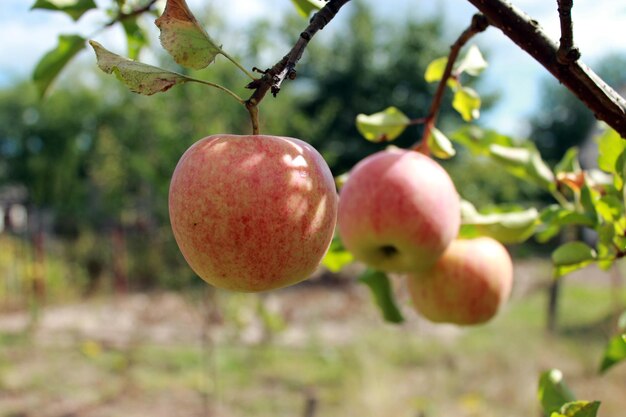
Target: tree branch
[479, 24]
[600, 98]
[567, 52]
[273, 78]
[133, 13]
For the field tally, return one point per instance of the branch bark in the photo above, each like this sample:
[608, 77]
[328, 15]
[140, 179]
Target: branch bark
[479, 24]
[606, 104]
[273, 78]
[567, 51]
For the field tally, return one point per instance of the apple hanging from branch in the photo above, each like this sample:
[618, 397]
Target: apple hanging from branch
[467, 285]
[398, 211]
[252, 213]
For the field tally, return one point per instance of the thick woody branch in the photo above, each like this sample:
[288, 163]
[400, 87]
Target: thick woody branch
[567, 52]
[273, 78]
[600, 98]
[479, 24]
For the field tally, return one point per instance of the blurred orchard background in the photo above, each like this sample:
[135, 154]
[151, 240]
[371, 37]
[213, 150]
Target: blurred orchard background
[100, 315]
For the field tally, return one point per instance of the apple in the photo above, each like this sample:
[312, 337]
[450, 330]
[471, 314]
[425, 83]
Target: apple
[468, 284]
[252, 213]
[398, 211]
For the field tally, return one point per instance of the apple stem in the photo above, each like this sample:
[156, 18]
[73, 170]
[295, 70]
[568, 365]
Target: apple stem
[479, 24]
[253, 109]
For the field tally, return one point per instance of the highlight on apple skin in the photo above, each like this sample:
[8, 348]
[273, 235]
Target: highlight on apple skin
[252, 213]
[468, 284]
[398, 211]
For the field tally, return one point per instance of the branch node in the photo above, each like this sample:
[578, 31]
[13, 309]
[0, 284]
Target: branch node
[273, 78]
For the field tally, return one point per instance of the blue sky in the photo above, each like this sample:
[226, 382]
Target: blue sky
[600, 28]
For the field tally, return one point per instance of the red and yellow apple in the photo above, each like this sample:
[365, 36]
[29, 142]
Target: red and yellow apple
[398, 211]
[468, 284]
[252, 213]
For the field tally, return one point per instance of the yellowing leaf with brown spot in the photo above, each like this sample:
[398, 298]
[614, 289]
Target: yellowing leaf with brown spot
[184, 38]
[138, 77]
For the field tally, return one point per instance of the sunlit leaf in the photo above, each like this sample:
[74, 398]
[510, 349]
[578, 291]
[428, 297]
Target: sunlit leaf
[525, 163]
[439, 145]
[572, 256]
[610, 147]
[306, 7]
[434, 70]
[380, 287]
[553, 392]
[553, 218]
[511, 226]
[383, 126]
[74, 8]
[337, 256]
[138, 77]
[579, 409]
[614, 353]
[609, 207]
[473, 63]
[569, 162]
[340, 180]
[184, 38]
[466, 101]
[478, 140]
[588, 198]
[53, 62]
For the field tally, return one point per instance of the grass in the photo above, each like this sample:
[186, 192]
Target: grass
[334, 349]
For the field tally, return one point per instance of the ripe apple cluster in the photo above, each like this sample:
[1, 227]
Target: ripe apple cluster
[255, 213]
[399, 212]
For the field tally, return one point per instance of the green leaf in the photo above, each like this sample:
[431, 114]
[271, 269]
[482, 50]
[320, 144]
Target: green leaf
[614, 352]
[508, 227]
[184, 38]
[525, 163]
[572, 253]
[580, 409]
[53, 62]
[572, 256]
[434, 70]
[553, 392]
[609, 207]
[554, 217]
[621, 324]
[466, 101]
[473, 63]
[610, 147]
[139, 77]
[305, 7]
[135, 37]
[619, 168]
[383, 126]
[478, 140]
[569, 162]
[588, 199]
[337, 256]
[74, 8]
[380, 287]
[439, 145]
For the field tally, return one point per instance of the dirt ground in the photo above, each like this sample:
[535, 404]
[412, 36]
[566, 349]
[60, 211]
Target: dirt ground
[172, 354]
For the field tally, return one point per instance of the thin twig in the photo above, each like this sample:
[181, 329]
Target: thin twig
[136, 12]
[567, 52]
[273, 78]
[525, 32]
[479, 24]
